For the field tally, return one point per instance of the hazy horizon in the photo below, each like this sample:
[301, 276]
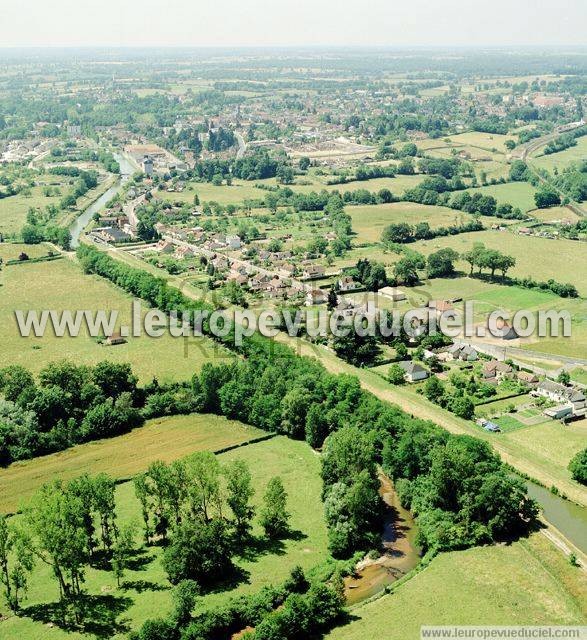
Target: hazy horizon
[304, 23]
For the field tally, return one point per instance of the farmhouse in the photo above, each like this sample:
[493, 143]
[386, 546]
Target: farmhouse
[412, 371]
[568, 396]
[392, 293]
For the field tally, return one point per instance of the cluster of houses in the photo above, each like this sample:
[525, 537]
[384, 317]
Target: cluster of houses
[570, 401]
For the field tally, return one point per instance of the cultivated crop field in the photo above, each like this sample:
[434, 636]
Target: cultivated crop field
[166, 439]
[482, 584]
[146, 592]
[60, 285]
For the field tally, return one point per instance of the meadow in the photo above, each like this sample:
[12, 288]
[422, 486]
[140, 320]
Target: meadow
[145, 591]
[567, 260]
[61, 285]
[167, 439]
[13, 210]
[237, 192]
[562, 159]
[528, 582]
[518, 194]
[369, 220]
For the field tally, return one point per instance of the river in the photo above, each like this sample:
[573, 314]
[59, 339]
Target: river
[401, 553]
[569, 518]
[81, 222]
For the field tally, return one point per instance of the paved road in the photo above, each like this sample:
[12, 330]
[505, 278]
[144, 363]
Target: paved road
[242, 145]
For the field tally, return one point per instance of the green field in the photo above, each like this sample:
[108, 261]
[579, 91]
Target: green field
[518, 194]
[566, 259]
[61, 285]
[369, 220]
[164, 439]
[146, 592]
[236, 193]
[529, 582]
[562, 159]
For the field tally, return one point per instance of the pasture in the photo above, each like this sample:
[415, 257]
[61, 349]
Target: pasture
[146, 593]
[13, 210]
[518, 194]
[167, 439]
[61, 285]
[369, 220]
[566, 260]
[562, 159]
[528, 582]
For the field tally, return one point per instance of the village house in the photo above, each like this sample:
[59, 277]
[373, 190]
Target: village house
[316, 296]
[463, 352]
[164, 246]
[565, 396]
[345, 308]
[504, 330]
[257, 283]
[287, 270]
[220, 263]
[313, 271]
[184, 252]
[346, 283]
[111, 234]
[496, 370]
[413, 372]
[527, 377]
[233, 242]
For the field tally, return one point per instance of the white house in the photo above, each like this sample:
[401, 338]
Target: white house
[412, 371]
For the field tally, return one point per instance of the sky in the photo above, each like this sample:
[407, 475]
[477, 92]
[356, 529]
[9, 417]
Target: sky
[223, 23]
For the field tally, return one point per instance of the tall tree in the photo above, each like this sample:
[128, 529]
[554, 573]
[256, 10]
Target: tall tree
[274, 515]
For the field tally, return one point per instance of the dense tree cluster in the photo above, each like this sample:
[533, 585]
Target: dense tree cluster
[68, 404]
[457, 487]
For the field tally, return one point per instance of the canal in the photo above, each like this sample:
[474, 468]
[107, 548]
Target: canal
[81, 222]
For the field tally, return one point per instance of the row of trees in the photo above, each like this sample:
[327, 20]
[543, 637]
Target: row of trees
[402, 232]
